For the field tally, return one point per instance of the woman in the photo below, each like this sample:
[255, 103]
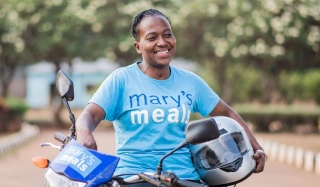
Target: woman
[150, 103]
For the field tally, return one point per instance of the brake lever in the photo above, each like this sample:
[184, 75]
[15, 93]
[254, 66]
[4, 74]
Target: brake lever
[45, 144]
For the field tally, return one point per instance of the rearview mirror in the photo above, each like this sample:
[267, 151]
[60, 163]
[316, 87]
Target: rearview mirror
[198, 131]
[65, 86]
[203, 130]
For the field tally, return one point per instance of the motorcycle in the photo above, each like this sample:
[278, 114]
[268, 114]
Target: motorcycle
[78, 166]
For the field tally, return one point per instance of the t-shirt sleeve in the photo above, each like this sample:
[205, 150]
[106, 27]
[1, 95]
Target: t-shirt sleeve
[106, 95]
[206, 99]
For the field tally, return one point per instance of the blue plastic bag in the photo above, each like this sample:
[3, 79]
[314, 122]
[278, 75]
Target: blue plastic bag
[85, 165]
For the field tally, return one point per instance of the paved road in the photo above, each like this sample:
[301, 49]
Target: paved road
[16, 169]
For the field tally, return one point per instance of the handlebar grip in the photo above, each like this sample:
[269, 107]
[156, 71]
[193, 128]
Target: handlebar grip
[60, 137]
[186, 183]
[171, 179]
[149, 179]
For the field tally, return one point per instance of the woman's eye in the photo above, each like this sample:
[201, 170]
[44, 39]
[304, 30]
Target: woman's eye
[151, 38]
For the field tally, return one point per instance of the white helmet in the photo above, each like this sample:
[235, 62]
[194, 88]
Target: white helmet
[226, 160]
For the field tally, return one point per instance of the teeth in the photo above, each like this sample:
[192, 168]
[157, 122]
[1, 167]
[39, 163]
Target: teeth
[162, 52]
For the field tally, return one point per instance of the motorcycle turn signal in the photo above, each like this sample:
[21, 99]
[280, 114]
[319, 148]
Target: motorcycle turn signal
[40, 162]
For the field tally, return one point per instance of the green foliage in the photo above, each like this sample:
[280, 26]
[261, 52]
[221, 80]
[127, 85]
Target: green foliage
[242, 84]
[303, 85]
[17, 106]
[267, 36]
[274, 36]
[291, 86]
[311, 82]
[206, 73]
[245, 83]
[12, 46]
[11, 114]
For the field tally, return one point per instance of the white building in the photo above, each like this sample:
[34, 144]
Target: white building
[86, 76]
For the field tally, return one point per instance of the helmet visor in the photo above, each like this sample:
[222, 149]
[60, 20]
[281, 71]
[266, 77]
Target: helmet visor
[224, 150]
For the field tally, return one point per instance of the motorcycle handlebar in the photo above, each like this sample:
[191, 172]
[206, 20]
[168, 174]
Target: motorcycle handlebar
[166, 179]
[149, 179]
[170, 179]
[185, 183]
[60, 137]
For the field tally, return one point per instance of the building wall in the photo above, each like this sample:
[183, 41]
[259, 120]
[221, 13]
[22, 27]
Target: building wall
[38, 90]
[40, 82]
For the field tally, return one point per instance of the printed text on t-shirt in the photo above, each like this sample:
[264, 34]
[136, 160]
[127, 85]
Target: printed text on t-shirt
[180, 112]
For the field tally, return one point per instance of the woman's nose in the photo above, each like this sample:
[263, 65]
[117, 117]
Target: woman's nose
[161, 41]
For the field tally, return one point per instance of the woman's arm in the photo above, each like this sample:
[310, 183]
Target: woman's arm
[222, 109]
[87, 122]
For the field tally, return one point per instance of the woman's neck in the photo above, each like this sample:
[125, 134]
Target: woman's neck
[159, 73]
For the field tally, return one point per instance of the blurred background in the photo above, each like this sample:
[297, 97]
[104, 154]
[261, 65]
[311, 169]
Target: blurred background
[257, 55]
[261, 56]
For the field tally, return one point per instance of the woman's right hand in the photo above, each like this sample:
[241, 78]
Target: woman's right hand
[86, 138]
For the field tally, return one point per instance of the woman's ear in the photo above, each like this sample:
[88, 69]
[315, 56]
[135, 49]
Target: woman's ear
[137, 47]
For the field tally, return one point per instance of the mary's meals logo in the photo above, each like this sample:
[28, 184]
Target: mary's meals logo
[79, 159]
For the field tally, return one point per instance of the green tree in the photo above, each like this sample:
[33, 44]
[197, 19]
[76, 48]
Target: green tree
[12, 46]
[267, 37]
[274, 36]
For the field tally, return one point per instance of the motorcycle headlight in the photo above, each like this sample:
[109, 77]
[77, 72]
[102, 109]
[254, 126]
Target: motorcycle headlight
[53, 179]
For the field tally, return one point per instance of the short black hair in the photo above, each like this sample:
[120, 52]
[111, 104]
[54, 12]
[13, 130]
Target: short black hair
[139, 17]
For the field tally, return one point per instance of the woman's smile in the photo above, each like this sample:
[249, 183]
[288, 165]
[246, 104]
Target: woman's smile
[162, 52]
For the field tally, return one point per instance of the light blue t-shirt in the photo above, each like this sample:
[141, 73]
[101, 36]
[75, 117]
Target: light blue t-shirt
[150, 117]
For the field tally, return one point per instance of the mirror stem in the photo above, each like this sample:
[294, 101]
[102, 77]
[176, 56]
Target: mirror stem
[159, 167]
[72, 118]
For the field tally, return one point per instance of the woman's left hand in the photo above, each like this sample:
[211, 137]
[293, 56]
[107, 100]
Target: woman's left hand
[261, 158]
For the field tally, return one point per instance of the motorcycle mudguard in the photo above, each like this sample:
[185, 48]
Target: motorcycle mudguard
[86, 165]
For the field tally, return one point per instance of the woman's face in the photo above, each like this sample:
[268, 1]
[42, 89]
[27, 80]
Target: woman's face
[155, 41]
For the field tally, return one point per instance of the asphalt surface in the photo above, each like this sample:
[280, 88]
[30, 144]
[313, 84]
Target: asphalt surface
[17, 170]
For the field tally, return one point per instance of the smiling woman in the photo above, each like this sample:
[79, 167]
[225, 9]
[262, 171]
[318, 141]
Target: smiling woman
[150, 103]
